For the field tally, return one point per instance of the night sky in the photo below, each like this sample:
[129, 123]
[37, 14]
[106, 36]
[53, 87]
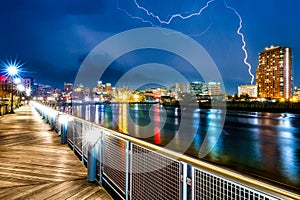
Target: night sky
[52, 38]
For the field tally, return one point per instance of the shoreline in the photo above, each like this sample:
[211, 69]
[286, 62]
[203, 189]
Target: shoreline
[271, 107]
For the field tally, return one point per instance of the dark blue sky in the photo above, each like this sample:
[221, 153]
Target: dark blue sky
[53, 37]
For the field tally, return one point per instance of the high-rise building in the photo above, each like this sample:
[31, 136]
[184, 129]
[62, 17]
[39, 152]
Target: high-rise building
[274, 74]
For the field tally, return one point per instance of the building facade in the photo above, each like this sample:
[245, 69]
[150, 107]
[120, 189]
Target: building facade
[274, 74]
[214, 88]
[250, 90]
[198, 88]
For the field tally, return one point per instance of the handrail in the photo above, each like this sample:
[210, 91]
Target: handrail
[226, 173]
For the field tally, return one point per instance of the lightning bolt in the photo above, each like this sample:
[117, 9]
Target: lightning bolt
[172, 16]
[177, 15]
[243, 40]
[133, 17]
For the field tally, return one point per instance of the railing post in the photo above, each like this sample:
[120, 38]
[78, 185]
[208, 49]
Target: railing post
[128, 150]
[47, 118]
[100, 156]
[52, 123]
[184, 183]
[189, 181]
[92, 163]
[63, 131]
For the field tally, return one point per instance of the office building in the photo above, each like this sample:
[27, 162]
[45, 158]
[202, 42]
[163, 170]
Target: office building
[214, 88]
[198, 88]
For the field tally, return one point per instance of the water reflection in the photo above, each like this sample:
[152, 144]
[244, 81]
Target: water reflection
[265, 144]
[157, 125]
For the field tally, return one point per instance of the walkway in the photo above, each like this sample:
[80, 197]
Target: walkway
[34, 165]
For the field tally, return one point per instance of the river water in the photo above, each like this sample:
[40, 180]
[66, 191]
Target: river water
[262, 144]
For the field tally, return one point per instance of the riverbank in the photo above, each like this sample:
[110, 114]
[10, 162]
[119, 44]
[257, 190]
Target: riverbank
[274, 107]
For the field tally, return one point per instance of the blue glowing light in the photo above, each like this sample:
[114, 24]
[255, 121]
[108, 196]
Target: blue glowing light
[11, 68]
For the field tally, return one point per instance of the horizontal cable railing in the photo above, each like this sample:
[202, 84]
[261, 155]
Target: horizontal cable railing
[136, 169]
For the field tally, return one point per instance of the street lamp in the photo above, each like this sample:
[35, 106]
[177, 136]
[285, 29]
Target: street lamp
[21, 90]
[12, 71]
[12, 68]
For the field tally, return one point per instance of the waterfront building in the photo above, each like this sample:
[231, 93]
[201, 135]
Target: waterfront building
[68, 87]
[177, 88]
[44, 90]
[296, 95]
[214, 88]
[274, 74]
[108, 88]
[201, 88]
[250, 90]
[197, 88]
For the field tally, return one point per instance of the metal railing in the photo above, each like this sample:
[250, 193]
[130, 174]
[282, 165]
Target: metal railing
[135, 169]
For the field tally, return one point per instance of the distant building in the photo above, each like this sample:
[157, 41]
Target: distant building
[250, 90]
[68, 87]
[28, 82]
[296, 95]
[274, 74]
[201, 88]
[108, 88]
[4, 86]
[214, 88]
[197, 88]
[177, 88]
[41, 90]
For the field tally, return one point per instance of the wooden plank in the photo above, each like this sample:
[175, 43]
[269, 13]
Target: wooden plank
[34, 165]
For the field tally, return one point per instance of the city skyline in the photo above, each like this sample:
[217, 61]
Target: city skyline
[54, 38]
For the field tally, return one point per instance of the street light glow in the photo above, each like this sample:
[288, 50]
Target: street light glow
[21, 88]
[28, 92]
[12, 70]
[17, 81]
[11, 67]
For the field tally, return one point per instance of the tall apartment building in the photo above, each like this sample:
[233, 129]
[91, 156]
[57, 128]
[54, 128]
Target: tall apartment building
[274, 74]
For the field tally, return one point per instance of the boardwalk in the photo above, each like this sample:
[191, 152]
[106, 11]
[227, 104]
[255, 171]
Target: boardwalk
[34, 165]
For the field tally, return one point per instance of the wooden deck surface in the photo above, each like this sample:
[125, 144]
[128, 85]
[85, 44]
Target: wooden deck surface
[34, 165]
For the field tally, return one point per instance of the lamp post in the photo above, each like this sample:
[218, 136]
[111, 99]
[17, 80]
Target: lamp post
[27, 92]
[12, 71]
[21, 89]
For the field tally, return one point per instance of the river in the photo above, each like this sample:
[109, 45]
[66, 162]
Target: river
[261, 144]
